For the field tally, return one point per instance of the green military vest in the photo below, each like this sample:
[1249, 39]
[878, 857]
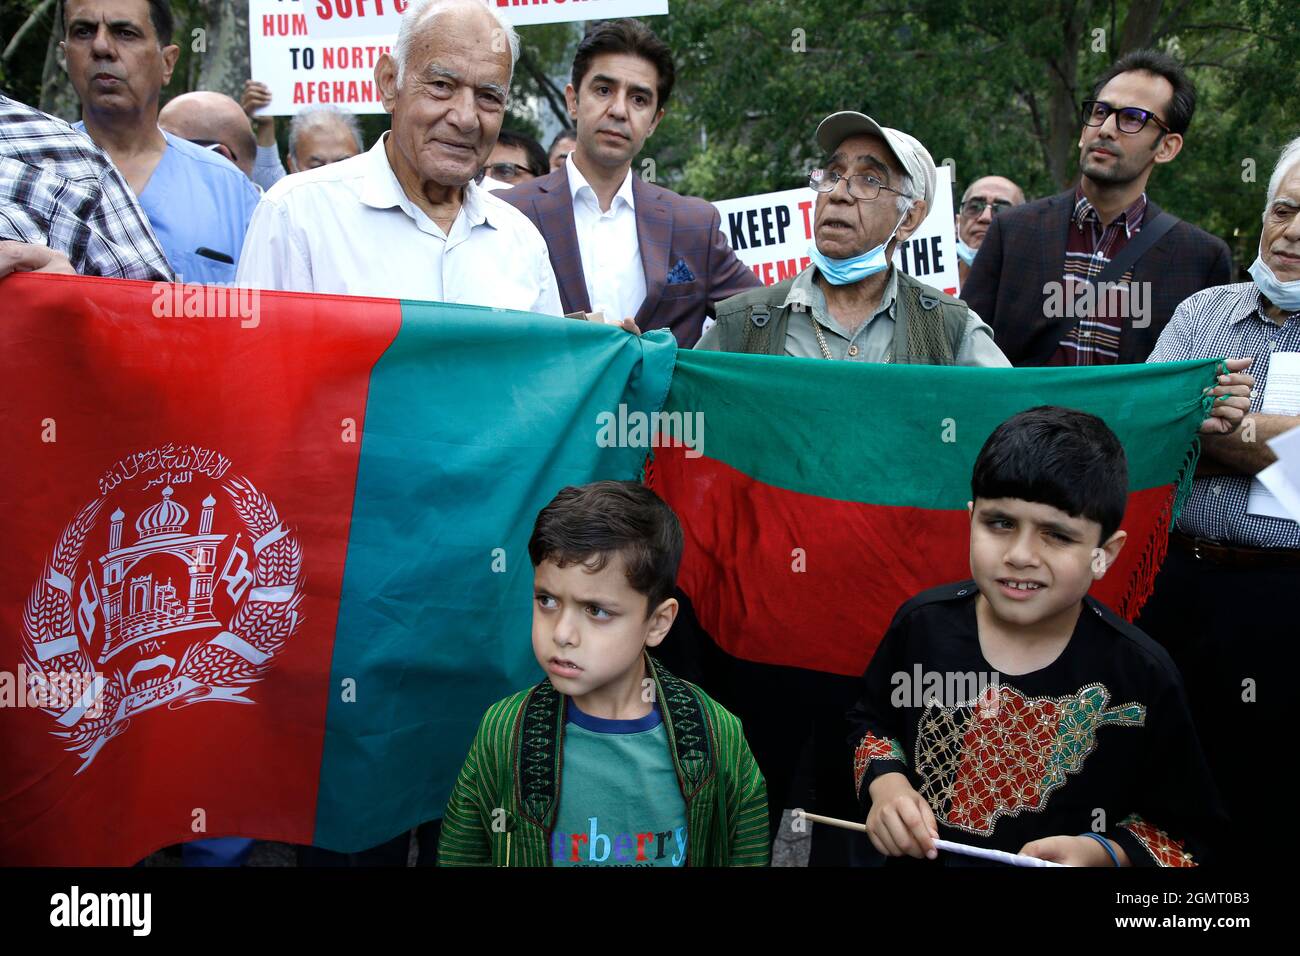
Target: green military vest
[928, 324]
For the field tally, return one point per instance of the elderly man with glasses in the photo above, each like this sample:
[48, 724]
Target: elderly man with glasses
[1091, 276]
[983, 199]
[851, 303]
[1222, 604]
[874, 189]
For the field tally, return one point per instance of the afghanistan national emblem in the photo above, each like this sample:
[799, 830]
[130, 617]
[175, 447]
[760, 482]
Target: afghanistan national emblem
[185, 593]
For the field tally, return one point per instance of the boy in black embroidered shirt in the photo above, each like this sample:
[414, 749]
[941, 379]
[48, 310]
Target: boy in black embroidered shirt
[1013, 711]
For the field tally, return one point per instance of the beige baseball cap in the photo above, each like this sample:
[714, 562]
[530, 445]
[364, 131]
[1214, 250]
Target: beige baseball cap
[911, 155]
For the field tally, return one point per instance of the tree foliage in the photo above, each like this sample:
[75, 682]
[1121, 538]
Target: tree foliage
[989, 85]
[992, 87]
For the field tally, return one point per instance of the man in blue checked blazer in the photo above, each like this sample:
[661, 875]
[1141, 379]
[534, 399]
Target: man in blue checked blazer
[618, 244]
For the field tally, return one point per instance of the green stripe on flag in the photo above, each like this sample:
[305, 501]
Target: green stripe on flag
[475, 419]
[908, 435]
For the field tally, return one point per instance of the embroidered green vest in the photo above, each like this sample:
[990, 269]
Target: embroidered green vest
[503, 808]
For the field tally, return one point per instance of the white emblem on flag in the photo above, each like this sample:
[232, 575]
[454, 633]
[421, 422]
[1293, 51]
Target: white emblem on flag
[147, 614]
[239, 578]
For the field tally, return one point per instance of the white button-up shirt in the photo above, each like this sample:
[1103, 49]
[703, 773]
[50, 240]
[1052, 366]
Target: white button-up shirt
[349, 228]
[607, 241]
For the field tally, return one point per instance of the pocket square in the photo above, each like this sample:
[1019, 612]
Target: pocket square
[680, 273]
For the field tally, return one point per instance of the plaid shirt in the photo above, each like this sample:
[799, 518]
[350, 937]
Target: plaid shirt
[57, 188]
[1094, 340]
[1226, 322]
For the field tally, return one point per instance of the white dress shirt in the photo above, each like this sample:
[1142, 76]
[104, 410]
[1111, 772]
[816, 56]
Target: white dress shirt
[349, 228]
[611, 252]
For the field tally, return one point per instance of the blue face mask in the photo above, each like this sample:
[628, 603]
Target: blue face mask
[1284, 295]
[964, 252]
[856, 268]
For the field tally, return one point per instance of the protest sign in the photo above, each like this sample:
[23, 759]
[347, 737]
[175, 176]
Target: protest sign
[304, 70]
[316, 52]
[771, 232]
[333, 19]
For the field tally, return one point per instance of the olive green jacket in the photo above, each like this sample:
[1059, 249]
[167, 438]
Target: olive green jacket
[928, 324]
[505, 803]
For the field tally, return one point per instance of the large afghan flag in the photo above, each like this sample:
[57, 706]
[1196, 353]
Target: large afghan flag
[817, 503]
[265, 560]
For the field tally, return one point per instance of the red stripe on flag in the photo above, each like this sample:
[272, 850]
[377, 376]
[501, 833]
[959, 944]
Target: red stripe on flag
[779, 577]
[228, 448]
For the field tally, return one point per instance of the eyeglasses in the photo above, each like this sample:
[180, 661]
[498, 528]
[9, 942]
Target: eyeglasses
[1129, 119]
[974, 208]
[860, 187]
[507, 171]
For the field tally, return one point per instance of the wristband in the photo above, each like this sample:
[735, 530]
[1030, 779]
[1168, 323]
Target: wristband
[1110, 850]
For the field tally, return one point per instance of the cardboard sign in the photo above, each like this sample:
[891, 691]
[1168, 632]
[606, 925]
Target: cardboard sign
[771, 232]
[318, 52]
[303, 70]
[333, 19]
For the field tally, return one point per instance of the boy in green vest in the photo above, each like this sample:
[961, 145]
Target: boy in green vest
[611, 760]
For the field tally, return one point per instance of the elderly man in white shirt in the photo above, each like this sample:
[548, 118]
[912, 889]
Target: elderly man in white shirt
[406, 219]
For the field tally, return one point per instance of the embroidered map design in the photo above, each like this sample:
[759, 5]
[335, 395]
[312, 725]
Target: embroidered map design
[984, 760]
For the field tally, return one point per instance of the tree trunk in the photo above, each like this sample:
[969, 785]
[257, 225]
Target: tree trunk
[1139, 25]
[58, 98]
[224, 65]
[32, 21]
[1063, 100]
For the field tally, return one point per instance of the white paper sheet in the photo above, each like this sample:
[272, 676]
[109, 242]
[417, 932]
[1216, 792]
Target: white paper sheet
[1281, 397]
[1282, 478]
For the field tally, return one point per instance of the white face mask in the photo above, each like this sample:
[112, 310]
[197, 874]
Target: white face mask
[855, 268]
[1284, 295]
[964, 252]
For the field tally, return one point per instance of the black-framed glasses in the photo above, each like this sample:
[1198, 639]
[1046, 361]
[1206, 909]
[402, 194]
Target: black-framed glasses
[863, 187]
[506, 171]
[974, 208]
[1129, 119]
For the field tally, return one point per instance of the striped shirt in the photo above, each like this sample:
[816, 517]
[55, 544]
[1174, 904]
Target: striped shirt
[1226, 322]
[57, 188]
[1089, 247]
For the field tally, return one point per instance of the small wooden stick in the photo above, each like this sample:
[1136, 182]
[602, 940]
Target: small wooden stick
[832, 821]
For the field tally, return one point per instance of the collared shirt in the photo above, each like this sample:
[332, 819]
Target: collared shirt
[1089, 247]
[610, 249]
[57, 188]
[349, 228]
[267, 168]
[873, 340]
[1226, 321]
[199, 204]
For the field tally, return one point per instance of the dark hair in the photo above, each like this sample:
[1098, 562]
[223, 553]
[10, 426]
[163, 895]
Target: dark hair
[567, 133]
[1179, 114]
[585, 524]
[538, 164]
[626, 36]
[1060, 457]
[160, 15]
